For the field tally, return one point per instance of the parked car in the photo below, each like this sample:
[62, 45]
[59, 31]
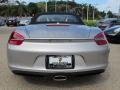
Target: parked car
[2, 21]
[25, 21]
[12, 21]
[57, 44]
[113, 34]
[107, 23]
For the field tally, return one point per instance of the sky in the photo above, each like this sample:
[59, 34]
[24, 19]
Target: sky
[102, 5]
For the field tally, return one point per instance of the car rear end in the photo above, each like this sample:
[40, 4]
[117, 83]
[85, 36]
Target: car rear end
[57, 55]
[12, 22]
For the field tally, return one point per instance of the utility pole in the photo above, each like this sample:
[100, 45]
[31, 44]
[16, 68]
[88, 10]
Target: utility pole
[94, 12]
[46, 6]
[87, 13]
[55, 5]
[67, 6]
[83, 12]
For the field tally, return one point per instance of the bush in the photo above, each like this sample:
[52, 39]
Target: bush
[90, 22]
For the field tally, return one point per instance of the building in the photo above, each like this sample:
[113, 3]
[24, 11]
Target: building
[117, 14]
[3, 1]
[7, 2]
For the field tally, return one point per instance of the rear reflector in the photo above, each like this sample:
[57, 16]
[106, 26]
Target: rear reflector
[100, 39]
[16, 39]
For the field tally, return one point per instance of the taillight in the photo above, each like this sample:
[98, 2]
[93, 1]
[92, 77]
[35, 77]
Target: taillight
[100, 39]
[16, 39]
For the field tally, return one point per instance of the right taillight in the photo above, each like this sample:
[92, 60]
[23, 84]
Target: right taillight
[16, 39]
[100, 39]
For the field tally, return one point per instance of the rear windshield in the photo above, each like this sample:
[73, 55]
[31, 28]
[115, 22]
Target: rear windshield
[12, 18]
[56, 18]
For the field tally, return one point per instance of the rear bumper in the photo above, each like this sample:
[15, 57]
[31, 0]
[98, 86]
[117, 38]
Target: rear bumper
[54, 74]
[31, 57]
[47, 72]
[12, 23]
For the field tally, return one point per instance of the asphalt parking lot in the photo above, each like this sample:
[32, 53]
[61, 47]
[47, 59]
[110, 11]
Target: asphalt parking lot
[110, 80]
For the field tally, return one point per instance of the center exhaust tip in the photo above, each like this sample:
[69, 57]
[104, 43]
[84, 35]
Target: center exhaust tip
[60, 78]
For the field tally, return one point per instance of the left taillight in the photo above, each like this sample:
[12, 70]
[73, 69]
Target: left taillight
[16, 38]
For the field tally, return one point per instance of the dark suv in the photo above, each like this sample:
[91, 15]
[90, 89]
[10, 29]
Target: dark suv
[12, 22]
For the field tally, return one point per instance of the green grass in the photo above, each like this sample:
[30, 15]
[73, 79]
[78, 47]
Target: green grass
[90, 22]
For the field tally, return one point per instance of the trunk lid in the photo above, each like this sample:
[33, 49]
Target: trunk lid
[58, 31]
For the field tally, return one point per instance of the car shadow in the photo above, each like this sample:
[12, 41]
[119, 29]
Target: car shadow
[117, 43]
[70, 83]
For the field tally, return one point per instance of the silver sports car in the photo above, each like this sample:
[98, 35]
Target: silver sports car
[57, 44]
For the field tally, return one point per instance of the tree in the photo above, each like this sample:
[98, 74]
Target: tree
[110, 14]
[4, 11]
[21, 7]
[32, 8]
